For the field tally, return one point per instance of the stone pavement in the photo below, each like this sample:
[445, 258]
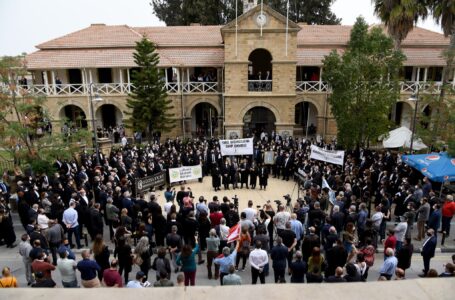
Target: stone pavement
[275, 191]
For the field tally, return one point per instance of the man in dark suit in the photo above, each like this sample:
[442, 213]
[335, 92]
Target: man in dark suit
[428, 249]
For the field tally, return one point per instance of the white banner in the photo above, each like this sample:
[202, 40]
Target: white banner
[236, 147]
[334, 157]
[185, 173]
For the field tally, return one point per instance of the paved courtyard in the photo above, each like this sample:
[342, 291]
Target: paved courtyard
[275, 191]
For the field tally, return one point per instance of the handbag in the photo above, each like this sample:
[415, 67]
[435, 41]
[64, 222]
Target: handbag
[137, 260]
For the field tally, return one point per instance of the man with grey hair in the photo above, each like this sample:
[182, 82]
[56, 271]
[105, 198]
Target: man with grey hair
[225, 262]
[337, 218]
[390, 264]
[232, 278]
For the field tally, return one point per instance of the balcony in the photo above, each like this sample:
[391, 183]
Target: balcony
[312, 87]
[425, 87]
[259, 85]
[112, 89]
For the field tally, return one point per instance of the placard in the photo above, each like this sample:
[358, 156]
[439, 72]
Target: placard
[334, 157]
[185, 173]
[236, 147]
[146, 183]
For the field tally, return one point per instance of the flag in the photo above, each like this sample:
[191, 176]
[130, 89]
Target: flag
[325, 184]
[234, 233]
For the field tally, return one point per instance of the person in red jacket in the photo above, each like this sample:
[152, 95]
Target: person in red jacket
[448, 210]
[390, 242]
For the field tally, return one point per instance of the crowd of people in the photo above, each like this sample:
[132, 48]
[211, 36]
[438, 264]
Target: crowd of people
[330, 234]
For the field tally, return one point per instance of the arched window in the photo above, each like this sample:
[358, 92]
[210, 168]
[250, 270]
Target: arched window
[260, 71]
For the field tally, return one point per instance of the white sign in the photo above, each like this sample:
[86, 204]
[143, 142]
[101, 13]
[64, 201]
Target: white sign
[236, 147]
[185, 173]
[334, 157]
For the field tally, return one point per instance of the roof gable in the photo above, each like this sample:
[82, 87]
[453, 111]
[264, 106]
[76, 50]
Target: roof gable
[255, 10]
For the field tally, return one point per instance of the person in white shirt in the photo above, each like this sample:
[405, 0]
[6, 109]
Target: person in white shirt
[377, 218]
[281, 218]
[400, 232]
[250, 212]
[139, 282]
[258, 259]
[42, 220]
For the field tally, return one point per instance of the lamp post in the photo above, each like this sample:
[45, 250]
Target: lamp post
[414, 97]
[95, 139]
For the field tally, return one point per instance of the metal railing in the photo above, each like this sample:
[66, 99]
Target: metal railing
[259, 85]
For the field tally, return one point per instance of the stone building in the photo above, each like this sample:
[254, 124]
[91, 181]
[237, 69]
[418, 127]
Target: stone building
[260, 72]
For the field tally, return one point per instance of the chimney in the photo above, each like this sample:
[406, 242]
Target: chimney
[249, 4]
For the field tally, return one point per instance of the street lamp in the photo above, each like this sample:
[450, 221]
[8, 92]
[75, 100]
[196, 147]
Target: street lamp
[414, 97]
[95, 139]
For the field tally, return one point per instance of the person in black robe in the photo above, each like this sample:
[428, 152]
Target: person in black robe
[216, 179]
[253, 175]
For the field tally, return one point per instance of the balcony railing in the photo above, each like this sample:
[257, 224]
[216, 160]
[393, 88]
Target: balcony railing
[312, 86]
[200, 87]
[259, 85]
[108, 89]
[426, 87]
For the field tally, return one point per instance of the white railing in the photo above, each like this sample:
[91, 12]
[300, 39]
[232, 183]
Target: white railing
[259, 85]
[200, 87]
[312, 86]
[426, 87]
[172, 87]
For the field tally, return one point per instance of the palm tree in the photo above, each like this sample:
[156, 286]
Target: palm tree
[400, 16]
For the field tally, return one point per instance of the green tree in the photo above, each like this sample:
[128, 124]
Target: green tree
[148, 104]
[444, 14]
[437, 127]
[206, 12]
[218, 12]
[364, 83]
[308, 11]
[23, 120]
[400, 16]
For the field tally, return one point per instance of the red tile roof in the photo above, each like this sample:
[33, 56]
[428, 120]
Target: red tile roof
[95, 36]
[183, 35]
[121, 57]
[112, 46]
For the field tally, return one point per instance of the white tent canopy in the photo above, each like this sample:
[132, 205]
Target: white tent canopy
[401, 137]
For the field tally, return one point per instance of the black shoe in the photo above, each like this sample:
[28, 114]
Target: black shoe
[201, 262]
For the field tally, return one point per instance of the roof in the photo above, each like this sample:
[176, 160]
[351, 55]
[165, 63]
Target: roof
[340, 35]
[183, 35]
[112, 46]
[424, 57]
[95, 36]
[122, 57]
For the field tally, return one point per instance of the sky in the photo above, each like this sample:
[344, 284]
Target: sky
[27, 23]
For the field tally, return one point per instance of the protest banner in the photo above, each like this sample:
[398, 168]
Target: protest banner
[236, 147]
[334, 157]
[146, 183]
[185, 173]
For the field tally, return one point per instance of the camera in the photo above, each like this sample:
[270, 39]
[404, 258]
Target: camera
[288, 199]
[236, 202]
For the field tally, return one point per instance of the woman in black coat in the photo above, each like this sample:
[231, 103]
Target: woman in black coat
[404, 255]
